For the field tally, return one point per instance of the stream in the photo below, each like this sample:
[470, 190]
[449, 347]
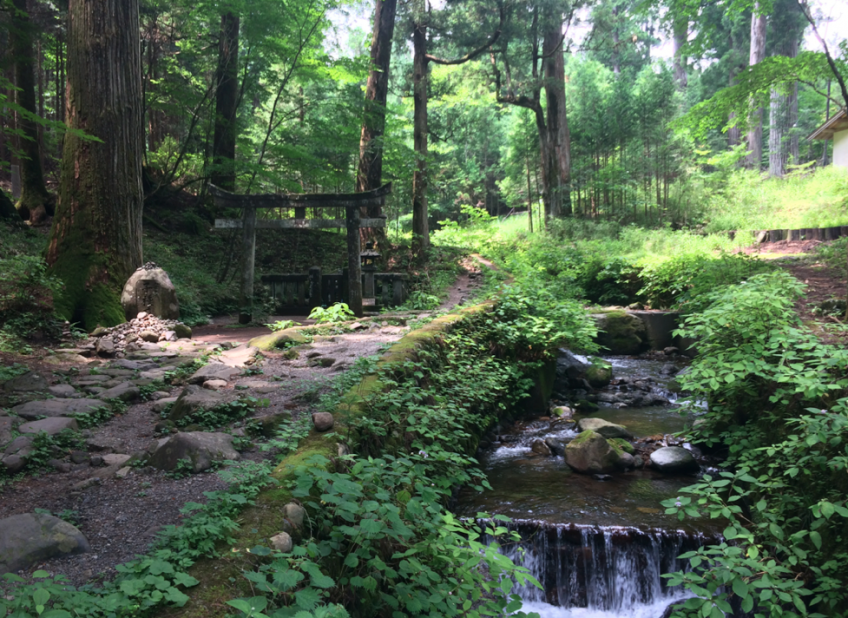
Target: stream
[598, 547]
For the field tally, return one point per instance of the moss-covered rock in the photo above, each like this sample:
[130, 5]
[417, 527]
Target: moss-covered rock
[590, 453]
[282, 338]
[621, 333]
[622, 444]
[599, 373]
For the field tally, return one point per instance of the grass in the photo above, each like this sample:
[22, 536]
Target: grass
[811, 200]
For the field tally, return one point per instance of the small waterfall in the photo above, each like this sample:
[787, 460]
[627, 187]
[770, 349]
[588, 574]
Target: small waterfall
[610, 570]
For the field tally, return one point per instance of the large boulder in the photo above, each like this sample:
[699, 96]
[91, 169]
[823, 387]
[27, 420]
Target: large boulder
[57, 407]
[31, 537]
[50, 426]
[570, 370]
[150, 289]
[590, 453]
[621, 332]
[202, 449]
[125, 391]
[194, 398]
[214, 371]
[605, 428]
[674, 460]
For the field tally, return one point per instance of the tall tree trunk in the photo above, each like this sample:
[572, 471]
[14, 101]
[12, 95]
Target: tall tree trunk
[559, 140]
[36, 203]
[226, 104]
[680, 33]
[370, 172]
[95, 242]
[783, 108]
[755, 121]
[420, 68]
[616, 42]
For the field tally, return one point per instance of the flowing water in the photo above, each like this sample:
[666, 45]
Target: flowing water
[598, 548]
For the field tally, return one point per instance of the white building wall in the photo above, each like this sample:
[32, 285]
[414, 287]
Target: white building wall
[840, 149]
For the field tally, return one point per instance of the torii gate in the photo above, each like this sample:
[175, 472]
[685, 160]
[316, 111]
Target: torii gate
[351, 202]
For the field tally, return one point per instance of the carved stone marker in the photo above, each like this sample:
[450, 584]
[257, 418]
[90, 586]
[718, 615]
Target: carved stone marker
[150, 289]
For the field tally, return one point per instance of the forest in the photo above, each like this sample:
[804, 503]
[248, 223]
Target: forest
[385, 308]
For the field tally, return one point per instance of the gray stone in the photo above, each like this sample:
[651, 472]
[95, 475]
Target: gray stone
[26, 382]
[156, 396]
[182, 331]
[194, 398]
[562, 412]
[105, 346]
[605, 428]
[282, 542]
[168, 335]
[213, 371]
[57, 407]
[323, 421]
[673, 459]
[590, 453]
[116, 459]
[201, 448]
[91, 379]
[59, 466]
[50, 426]
[13, 463]
[117, 373]
[129, 364]
[7, 423]
[214, 385]
[599, 373]
[150, 289]
[295, 514]
[62, 390]
[160, 404]
[79, 457]
[149, 336]
[124, 391]
[31, 537]
[123, 472]
[153, 374]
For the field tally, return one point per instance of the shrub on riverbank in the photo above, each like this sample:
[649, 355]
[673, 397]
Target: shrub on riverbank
[777, 402]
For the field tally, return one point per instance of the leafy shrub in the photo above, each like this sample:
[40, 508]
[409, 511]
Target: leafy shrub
[26, 296]
[281, 325]
[777, 401]
[338, 312]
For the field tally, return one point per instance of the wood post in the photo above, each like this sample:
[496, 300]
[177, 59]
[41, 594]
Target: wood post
[16, 182]
[315, 286]
[249, 245]
[354, 267]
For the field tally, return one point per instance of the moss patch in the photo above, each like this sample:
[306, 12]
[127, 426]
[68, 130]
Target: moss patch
[279, 339]
[620, 444]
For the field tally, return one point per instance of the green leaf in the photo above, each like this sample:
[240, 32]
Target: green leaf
[740, 588]
[41, 596]
[815, 537]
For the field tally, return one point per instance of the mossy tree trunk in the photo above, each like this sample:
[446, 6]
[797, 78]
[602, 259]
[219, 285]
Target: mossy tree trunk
[36, 202]
[95, 243]
[7, 208]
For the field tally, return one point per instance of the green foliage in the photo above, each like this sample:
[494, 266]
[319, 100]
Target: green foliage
[223, 413]
[777, 400]
[338, 312]
[26, 296]
[281, 325]
[380, 544]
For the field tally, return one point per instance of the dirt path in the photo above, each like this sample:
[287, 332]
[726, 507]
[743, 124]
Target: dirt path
[119, 510]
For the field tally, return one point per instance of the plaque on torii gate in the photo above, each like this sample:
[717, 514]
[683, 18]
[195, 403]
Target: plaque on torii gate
[351, 202]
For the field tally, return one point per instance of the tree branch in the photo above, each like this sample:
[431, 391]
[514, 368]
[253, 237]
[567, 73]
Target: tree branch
[473, 54]
[805, 9]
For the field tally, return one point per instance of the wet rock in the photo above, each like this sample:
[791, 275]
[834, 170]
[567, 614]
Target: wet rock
[602, 477]
[586, 407]
[557, 445]
[599, 373]
[562, 412]
[541, 448]
[27, 382]
[57, 407]
[669, 369]
[124, 391]
[149, 289]
[671, 350]
[50, 426]
[590, 453]
[604, 428]
[202, 449]
[32, 537]
[282, 542]
[62, 390]
[622, 444]
[213, 371]
[674, 460]
[323, 421]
